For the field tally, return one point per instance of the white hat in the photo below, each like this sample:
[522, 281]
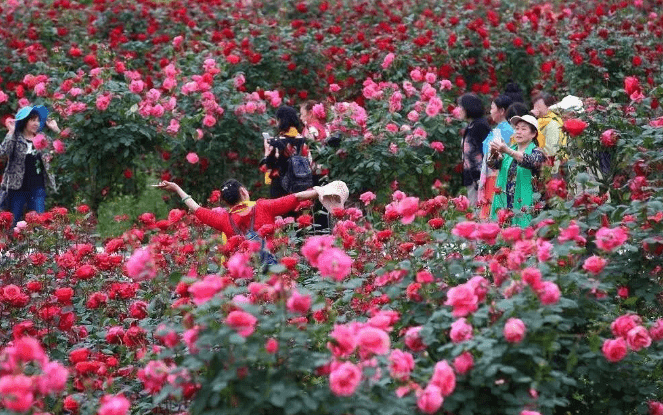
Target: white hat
[569, 103]
[529, 119]
[333, 195]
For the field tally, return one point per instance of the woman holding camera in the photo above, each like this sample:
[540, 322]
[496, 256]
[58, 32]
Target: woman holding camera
[277, 150]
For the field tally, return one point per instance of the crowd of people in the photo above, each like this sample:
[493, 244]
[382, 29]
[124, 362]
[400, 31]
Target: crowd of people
[500, 164]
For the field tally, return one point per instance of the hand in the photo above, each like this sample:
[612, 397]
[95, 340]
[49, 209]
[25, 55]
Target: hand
[53, 125]
[10, 123]
[168, 186]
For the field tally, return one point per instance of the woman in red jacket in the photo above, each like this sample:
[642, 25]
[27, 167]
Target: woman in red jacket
[244, 215]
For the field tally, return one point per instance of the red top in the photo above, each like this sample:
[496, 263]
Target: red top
[266, 211]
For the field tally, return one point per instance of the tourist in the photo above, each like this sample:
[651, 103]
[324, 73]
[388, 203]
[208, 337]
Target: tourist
[551, 137]
[471, 108]
[517, 165]
[28, 171]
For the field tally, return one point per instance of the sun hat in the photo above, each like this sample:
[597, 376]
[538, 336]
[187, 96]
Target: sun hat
[41, 110]
[529, 119]
[333, 195]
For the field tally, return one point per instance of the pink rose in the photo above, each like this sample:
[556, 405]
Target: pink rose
[173, 127]
[114, 405]
[656, 331]
[437, 146]
[430, 399]
[334, 263]
[192, 158]
[372, 341]
[58, 146]
[334, 88]
[407, 209]
[413, 116]
[465, 229]
[463, 300]
[655, 408]
[205, 290]
[594, 264]
[400, 364]
[344, 380]
[460, 331]
[416, 75]
[298, 303]
[314, 246]
[532, 277]
[243, 322]
[53, 378]
[238, 266]
[103, 101]
[271, 346]
[609, 239]
[413, 339]
[444, 378]
[464, 362]
[367, 197]
[623, 324]
[609, 138]
[344, 341]
[140, 266]
[136, 86]
[638, 338]
[209, 121]
[16, 392]
[514, 330]
[614, 350]
[40, 142]
[549, 293]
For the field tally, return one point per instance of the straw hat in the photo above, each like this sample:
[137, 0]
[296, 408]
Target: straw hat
[333, 195]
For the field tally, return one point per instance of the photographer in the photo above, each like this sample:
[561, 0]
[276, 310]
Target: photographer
[278, 150]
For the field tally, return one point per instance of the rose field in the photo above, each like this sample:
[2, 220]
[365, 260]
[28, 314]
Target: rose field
[117, 300]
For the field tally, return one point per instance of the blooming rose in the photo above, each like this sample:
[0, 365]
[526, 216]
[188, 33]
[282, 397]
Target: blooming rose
[238, 267]
[655, 408]
[575, 126]
[594, 264]
[464, 362]
[532, 276]
[623, 324]
[205, 290]
[192, 158]
[638, 338]
[373, 341]
[444, 378]
[609, 138]
[514, 330]
[40, 142]
[614, 350]
[271, 346]
[314, 246]
[608, 239]
[388, 60]
[549, 293]
[16, 392]
[400, 364]
[298, 303]
[334, 263]
[461, 331]
[243, 322]
[58, 146]
[367, 197]
[631, 85]
[463, 300]
[344, 380]
[413, 339]
[114, 405]
[344, 341]
[140, 266]
[430, 399]
[656, 331]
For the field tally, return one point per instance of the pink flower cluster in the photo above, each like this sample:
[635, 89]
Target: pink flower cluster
[630, 334]
[331, 261]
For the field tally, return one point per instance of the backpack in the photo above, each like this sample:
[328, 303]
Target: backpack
[298, 176]
[266, 257]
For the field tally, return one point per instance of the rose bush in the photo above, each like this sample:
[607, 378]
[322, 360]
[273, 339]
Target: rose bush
[411, 304]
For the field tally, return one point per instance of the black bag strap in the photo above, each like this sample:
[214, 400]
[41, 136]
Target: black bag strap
[233, 224]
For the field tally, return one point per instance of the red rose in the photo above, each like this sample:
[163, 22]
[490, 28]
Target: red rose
[574, 126]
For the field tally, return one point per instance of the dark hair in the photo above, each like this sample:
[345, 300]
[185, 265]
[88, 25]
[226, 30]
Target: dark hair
[503, 102]
[513, 91]
[230, 191]
[517, 108]
[472, 105]
[21, 124]
[546, 97]
[288, 117]
[308, 105]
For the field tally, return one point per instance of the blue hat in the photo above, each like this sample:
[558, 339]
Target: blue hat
[41, 110]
